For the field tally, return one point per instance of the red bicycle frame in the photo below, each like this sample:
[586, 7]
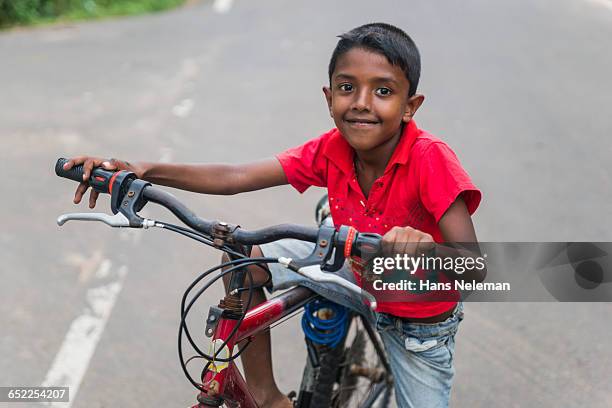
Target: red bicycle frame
[223, 383]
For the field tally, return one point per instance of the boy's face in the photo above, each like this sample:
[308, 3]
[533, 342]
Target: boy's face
[368, 99]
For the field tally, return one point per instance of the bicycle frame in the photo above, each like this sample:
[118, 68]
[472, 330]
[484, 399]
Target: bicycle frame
[223, 382]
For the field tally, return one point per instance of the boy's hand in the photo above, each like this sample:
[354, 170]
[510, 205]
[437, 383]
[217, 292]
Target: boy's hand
[88, 165]
[406, 240]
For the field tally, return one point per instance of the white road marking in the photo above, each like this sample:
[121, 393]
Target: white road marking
[71, 362]
[183, 109]
[286, 44]
[104, 269]
[87, 264]
[222, 6]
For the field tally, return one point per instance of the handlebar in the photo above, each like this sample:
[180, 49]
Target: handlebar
[129, 195]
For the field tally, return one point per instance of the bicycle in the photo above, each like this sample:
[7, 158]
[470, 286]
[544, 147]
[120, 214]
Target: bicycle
[348, 371]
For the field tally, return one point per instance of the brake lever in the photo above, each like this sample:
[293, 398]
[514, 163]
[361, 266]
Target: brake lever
[125, 212]
[323, 252]
[118, 220]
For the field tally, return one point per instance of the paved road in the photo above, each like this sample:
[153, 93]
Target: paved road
[519, 88]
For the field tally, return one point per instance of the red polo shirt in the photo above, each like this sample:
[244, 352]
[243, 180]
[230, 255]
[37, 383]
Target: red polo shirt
[422, 179]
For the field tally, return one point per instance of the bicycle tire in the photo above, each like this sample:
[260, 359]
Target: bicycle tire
[333, 383]
[323, 390]
[355, 390]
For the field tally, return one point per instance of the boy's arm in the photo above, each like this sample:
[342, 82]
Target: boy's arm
[456, 223]
[456, 227]
[221, 179]
[224, 179]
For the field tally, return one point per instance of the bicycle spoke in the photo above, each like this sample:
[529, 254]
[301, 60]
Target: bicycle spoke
[363, 374]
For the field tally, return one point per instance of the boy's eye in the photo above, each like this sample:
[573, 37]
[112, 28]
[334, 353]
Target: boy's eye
[345, 87]
[383, 91]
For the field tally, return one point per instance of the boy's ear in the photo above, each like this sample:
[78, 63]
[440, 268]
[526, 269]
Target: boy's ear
[413, 104]
[328, 97]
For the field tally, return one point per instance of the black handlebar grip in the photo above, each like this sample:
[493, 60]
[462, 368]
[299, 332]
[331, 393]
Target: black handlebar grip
[99, 180]
[75, 173]
[367, 245]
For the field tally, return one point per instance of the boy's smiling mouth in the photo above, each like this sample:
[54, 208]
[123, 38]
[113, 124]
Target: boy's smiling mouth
[361, 121]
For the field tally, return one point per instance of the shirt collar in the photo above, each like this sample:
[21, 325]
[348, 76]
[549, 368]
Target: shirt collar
[341, 153]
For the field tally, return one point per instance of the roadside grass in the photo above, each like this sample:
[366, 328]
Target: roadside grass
[15, 13]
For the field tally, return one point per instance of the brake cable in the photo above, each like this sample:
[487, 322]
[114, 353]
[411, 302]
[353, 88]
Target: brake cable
[241, 262]
[185, 310]
[232, 333]
[236, 264]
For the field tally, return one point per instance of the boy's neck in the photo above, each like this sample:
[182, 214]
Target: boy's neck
[372, 163]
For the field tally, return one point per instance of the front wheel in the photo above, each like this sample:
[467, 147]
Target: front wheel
[354, 374]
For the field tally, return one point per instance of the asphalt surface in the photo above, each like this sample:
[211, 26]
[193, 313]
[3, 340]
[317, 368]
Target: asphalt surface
[519, 89]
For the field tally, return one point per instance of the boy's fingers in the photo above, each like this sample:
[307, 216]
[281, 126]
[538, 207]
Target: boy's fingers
[407, 241]
[387, 248]
[87, 167]
[81, 189]
[108, 165]
[387, 243]
[75, 161]
[412, 249]
[426, 243]
[68, 165]
[401, 247]
[93, 196]
[402, 242]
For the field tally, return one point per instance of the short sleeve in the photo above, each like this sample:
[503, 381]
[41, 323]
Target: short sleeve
[305, 165]
[442, 179]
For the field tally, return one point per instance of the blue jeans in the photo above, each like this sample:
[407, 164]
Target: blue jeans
[420, 354]
[421, 358]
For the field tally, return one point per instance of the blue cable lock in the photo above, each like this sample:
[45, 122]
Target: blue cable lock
[327, 332]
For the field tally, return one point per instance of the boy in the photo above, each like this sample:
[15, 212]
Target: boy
[383, 175]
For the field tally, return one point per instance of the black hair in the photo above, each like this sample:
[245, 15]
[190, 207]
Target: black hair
[385, 39]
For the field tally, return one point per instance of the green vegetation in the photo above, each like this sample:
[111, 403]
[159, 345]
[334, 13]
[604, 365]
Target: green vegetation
[23, 12]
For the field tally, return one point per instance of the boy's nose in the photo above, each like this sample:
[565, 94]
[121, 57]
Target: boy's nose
[362, 101]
